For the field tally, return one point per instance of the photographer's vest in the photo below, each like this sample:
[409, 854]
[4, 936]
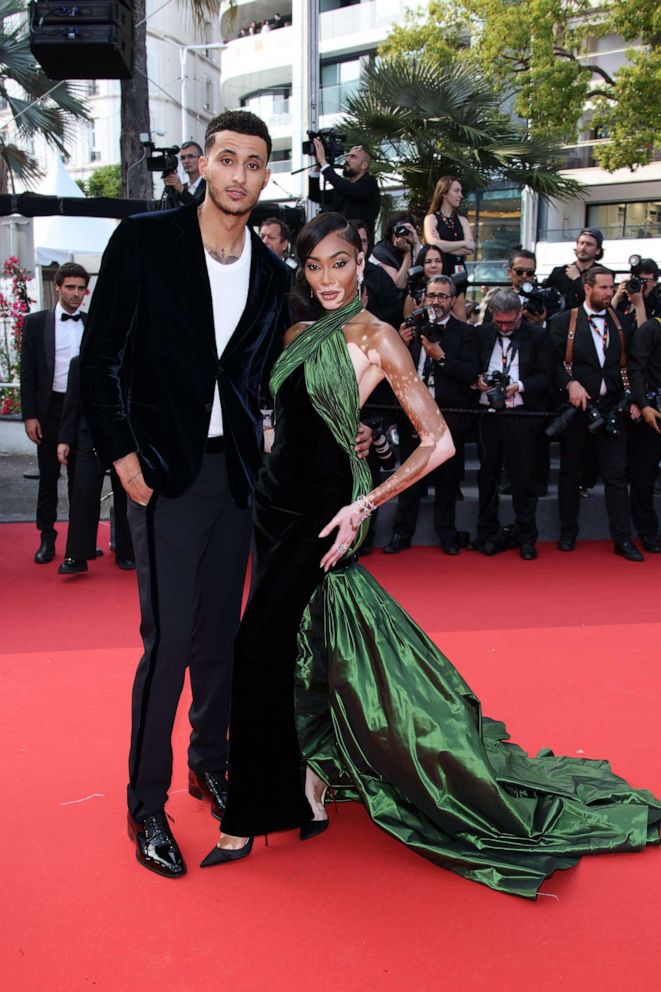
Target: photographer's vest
[571, 334]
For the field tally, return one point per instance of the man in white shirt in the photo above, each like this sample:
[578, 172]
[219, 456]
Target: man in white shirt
[518, 355]
[592, 368]
[194, 189]
[51, 338]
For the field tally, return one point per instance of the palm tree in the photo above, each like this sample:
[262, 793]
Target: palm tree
[37, 104]
[425, 121]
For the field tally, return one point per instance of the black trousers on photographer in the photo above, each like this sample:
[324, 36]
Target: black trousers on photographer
[446, 481]
[644, 456]
[507, 440]
[611, 453]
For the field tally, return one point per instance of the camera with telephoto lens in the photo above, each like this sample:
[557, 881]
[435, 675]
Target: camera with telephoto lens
[634, 283]
[165, 162]
[332, 141]
[538, 299]
[497, 383]
[422, 321]
[380, 443]
[613, 419]
[416, 282]
[401, 230]
[561, 422]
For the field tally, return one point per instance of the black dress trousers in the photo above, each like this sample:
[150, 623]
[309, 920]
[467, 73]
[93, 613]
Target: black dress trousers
[191, 554]
[49, 466]
[509, 440]
[446, 480]
[644, 456]
[611, 454]
[85, 506]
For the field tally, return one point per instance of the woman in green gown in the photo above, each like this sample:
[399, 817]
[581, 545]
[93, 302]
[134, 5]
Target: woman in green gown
[334, 683]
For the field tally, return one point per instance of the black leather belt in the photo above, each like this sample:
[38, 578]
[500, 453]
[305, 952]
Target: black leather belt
[215, 445]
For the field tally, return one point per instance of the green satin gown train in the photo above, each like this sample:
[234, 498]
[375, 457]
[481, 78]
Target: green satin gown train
[380, 711]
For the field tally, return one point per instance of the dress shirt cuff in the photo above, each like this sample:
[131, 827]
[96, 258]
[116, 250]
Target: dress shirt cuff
[522, 388]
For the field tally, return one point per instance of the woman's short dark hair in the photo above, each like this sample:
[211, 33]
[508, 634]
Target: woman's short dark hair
[303, 306]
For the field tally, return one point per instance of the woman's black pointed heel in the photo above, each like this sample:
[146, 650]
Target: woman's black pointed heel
[223, 855]
[312, 828]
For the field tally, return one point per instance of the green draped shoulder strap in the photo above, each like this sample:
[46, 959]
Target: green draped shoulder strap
[330, 380]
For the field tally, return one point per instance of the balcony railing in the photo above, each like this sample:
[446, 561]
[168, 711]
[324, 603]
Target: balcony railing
[360, 18]
[612, 232]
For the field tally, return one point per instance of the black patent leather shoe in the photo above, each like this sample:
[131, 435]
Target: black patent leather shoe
[651, 544]
[211, 786]
[527, 552]
[72, 566]
[312, 828]
[224, 855]
[126, 564]
[396, 544]
[449, 547]
[155, 847]
[566, 544]
[46, 550]
[628, 550]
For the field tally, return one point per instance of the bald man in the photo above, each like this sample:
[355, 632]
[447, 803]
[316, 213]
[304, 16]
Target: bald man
[354, 194]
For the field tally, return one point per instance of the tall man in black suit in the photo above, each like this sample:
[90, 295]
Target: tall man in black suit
[51, 338]
[522, 352]
[187, 447]
[446, 355]
[568, 279]
[592, 368]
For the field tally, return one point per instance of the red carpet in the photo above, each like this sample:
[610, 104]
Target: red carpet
[565, 649]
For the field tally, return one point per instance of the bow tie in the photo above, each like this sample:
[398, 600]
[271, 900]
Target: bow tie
[72, 316]
[601, 313]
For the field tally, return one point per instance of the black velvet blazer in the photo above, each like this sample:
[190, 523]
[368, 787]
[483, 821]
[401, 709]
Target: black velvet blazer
[150, 335]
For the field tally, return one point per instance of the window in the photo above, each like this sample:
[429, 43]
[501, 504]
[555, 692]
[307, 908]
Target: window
[280, 160]
[207, 94]
[495, 218]
[338, 81]
[269, 104]
[638, 219]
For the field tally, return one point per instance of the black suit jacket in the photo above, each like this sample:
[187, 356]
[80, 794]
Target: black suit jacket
[533, 346]
[453, 379]
[360, 200]
[37, 364]
[186, 198]
[585, 366]
[153, 292]
[73, 429]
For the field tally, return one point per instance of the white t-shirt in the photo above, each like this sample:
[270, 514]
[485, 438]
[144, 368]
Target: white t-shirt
[229, 293]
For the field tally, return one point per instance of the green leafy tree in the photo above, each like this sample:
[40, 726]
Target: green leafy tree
[37, 104]
[426, 120]
[540, 55]
[105, 181]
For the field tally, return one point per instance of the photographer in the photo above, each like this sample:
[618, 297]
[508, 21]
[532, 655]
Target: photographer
[521, 270]
[194, 190]
[428, 263]
[445, 352]
[568, 279]
[275, 234]
[397, 249]
[355, 193]
[645, 437]
[518, 366]
[590, 359]
[637, 296]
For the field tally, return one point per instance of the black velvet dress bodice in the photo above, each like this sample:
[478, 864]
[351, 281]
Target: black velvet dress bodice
[306, 467]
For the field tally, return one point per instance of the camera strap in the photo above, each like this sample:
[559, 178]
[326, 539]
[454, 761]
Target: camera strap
[571, 335]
